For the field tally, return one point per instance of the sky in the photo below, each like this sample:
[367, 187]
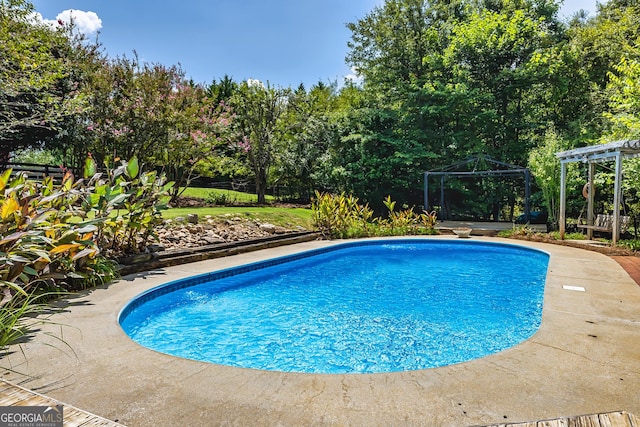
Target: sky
[283, 42]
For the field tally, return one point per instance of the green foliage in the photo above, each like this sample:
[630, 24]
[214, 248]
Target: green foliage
[309, 129]
[342, 217]
[546, 170]
[634, 244]
[126, 204]
[258, 126]
[217, 198]
[624, 101]
[405, 222]
[521, 230]
[555, 235]
[44, 246]
[42, 69]
[442, 81]
[54, 236]
[36, 156]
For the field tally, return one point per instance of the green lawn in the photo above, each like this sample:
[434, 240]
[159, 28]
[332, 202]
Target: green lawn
[223, 196]
[284, 217]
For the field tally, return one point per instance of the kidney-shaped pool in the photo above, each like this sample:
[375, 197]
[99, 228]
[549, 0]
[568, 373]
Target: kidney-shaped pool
[358, 307]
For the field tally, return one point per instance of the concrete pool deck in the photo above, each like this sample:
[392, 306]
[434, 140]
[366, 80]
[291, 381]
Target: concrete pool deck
[584, 359]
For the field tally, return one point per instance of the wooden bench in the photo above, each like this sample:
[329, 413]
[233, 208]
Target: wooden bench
[604, 223]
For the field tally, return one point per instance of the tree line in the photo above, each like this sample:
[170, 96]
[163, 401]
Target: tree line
[442, 80]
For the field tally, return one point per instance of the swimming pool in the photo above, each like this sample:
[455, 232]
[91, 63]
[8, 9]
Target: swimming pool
[359, 307]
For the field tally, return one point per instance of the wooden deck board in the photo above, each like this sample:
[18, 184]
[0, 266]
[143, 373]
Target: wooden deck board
[609, 419]
[15, 395]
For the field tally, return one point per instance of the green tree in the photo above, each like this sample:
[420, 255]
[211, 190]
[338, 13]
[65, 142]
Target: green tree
[624, 101]
[35, 91]
[388, 46]
[546, 170]
[308, 132]
[496, 51]
[258, 111]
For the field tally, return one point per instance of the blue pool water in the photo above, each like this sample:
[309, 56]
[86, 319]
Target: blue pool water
[359, 307]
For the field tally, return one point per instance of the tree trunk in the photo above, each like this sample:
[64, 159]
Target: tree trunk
[5, 155]
[261, 186]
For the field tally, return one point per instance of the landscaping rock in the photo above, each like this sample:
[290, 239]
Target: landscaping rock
[209, 240]
[156, 248]
[179, 234]
[269, 228]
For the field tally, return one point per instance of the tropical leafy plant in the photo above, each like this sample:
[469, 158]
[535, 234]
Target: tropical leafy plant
[44, 244]
[55, 236]
[126, 204]
[341, 216]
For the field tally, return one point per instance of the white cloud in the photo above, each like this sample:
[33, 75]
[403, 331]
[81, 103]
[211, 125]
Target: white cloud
[254, 82]
[86, 23]
[354, 77]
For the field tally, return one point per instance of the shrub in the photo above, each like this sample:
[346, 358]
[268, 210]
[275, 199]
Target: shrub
[126, 204]
[217, 198]
[406, 221]
[633, 244]
[341, 216]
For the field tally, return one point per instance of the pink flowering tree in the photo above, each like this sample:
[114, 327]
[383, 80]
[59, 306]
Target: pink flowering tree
[200, 127]
[132, 114]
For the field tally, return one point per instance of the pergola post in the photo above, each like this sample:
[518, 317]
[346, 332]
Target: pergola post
[616, 200]
[590, 199]
[426, 191]
[527, 195]
[442, 216]
[563, 199]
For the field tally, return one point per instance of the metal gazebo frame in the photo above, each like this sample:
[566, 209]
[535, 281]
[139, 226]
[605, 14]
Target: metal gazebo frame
[613, 151]
[454, 171]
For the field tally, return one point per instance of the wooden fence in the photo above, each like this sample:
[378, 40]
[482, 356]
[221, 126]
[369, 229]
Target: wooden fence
[36, 171]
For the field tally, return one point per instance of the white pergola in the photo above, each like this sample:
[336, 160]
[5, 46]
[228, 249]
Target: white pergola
[614, 151]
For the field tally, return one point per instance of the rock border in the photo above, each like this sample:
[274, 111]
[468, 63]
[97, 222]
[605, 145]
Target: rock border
[151, 261]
